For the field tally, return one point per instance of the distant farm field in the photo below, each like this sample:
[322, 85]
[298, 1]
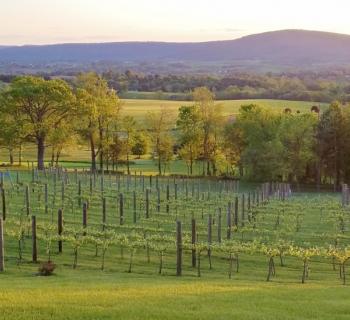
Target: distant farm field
[138, 108]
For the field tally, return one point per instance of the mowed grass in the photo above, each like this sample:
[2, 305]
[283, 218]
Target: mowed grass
[89, 293]
[85, 295]
[138, 108]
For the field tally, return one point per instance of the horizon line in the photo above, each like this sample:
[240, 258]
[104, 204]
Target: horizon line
[163, 41]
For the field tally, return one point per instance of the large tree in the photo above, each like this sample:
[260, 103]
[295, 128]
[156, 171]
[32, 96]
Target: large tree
[42, 105]
[211, 123]
[262, 154]
[140, 146]
[129, 128]
[333, 138]
[159, 125]
[297, 132]
[12, 133]
[189, 124]
[99, 108]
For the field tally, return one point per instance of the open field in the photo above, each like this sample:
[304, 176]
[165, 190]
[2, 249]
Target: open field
[130, 286]
[138, 108]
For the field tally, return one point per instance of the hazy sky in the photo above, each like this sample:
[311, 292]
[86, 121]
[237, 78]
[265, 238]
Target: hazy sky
[57, 21]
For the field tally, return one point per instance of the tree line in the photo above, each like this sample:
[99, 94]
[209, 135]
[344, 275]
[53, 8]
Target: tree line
[257, 144]
[321, 87]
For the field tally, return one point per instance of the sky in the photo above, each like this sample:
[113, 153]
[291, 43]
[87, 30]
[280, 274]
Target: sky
[62, 21]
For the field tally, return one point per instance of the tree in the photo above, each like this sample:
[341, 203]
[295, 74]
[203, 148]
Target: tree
[140, 146]
[116, 151]
[159, 126]
[211, 118]
[297, 133]
[60, 136]
[333, 136]
[262, 147]
[11, 132]
[99, 108]
[42, 105]
[233, 146]
[189, 125]
[128, 126]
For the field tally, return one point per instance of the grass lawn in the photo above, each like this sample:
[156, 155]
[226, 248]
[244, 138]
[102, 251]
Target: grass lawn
[87, 292]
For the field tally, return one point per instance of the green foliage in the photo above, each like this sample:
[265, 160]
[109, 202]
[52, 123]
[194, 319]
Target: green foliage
[38, 105]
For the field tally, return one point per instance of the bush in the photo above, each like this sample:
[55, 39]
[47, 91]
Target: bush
[47, 268]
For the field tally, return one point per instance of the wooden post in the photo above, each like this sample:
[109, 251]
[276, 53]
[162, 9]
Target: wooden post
[3, 200]
[134, 207]
[60, 228]
[2, 247]
[121, 209]
[236, 212]
[229, 221]
[210, 223]
[219, 225]
[147, 203]
[167, 198]
[84, 215]
[46, 195]
[34, 242]
[158, 199]
[103, 213]
[62, 193]
[27, 201]
[243, 209]
[79, 193]
[194, 235]
[178, 248]
[249, 205]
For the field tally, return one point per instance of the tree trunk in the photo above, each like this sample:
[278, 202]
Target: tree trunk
[52, 156]
[20, 155]
[41, 152]
[11, 156]
[93, 154]
[191, 167]
[159, 166]
[58, 153]
[101, 147]
[128, 163]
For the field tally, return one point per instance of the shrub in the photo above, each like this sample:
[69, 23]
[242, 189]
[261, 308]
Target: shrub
[47, 268]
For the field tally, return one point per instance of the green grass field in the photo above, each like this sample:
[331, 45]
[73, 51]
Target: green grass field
[87, 292]
[138, 108]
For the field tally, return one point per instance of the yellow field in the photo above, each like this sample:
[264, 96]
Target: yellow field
[139, 108]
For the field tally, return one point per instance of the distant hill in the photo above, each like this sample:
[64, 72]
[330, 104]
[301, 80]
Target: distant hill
[292, 47]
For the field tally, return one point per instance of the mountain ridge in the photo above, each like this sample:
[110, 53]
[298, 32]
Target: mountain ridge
[291, 46]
